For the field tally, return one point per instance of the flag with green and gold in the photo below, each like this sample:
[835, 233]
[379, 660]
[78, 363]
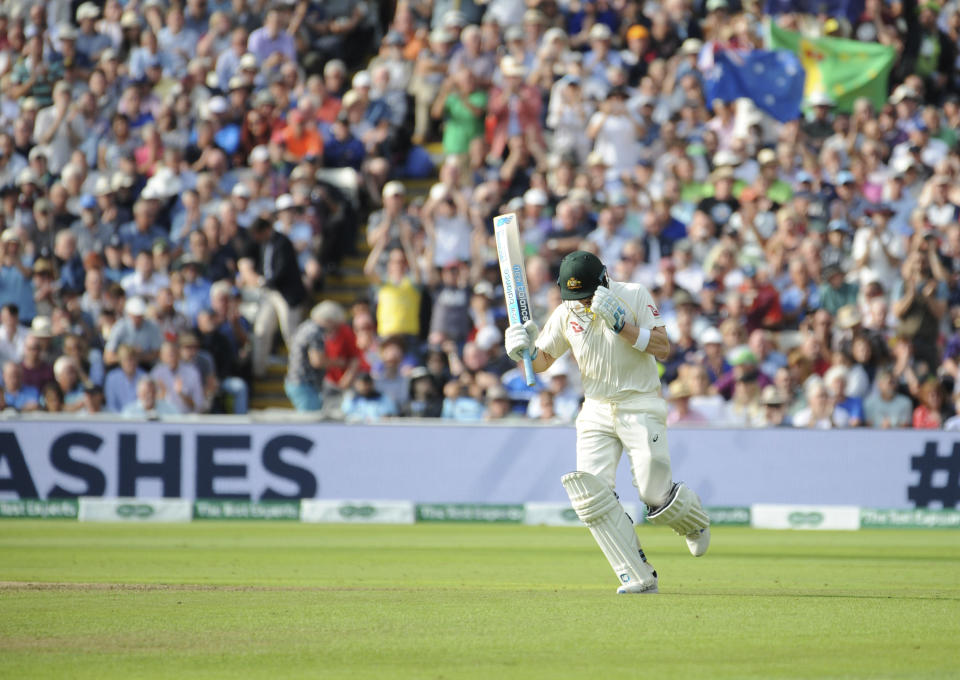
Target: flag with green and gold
[844, 70]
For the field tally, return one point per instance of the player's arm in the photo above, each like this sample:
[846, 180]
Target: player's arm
[519, 337]
[657, 342]
[613, 312]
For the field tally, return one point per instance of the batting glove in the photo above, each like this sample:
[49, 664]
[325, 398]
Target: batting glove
[606, 306]
[521, 337]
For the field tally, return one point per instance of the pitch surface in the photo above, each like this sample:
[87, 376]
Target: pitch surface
[250, 600]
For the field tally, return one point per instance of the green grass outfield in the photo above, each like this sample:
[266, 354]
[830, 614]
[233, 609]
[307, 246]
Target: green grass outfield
[279, 600]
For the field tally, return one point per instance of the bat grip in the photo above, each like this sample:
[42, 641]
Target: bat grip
[528, 368]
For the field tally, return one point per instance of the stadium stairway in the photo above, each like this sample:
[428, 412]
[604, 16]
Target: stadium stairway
[345, 286]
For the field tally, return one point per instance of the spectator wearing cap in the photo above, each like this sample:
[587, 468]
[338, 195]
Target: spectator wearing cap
[637, 56]
[446, 221]
[18, 396]
[835, 292]
[364, 403]
[67, 376]
[424, 399]
[90, 42]
[37, 369]
[819, 126]
[269, 268]
[16, 281]
[136, 330]
[341, 149]
[876, 252]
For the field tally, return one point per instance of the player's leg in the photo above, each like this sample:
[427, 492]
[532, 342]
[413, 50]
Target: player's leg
[644, 436]
[592, 496]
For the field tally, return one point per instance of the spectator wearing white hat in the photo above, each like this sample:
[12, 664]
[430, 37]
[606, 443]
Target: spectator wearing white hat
[446, 221]
[90, 42]
[135, 330]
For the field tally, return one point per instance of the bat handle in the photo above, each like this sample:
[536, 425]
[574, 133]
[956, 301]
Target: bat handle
[528, 368]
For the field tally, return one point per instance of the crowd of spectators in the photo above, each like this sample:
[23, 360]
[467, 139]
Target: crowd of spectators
[179, 183]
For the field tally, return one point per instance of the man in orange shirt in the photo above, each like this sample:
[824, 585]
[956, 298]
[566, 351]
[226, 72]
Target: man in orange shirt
[300, 139]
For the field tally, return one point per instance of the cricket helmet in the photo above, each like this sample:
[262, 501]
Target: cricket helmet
[580, 274]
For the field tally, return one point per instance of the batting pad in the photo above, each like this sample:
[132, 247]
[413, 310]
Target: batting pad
[682, 512]
[598, 508]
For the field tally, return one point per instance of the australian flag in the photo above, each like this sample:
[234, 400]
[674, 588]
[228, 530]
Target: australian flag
[772, 79]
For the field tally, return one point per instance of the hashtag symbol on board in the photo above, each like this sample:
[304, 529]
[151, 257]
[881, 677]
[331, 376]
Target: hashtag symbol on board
[928, 463]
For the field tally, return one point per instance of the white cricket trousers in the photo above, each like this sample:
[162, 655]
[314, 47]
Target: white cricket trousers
[606, 430]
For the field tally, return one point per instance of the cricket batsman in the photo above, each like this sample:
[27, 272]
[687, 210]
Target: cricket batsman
[616, 334]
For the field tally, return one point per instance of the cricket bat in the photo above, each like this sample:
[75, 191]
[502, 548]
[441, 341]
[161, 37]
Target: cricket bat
[514, 277]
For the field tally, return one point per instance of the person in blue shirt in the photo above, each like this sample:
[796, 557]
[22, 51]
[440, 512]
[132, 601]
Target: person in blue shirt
[120, 385]
[364, 403]
[16, 280]
[340, 148]
[17, 395]
[140, 234]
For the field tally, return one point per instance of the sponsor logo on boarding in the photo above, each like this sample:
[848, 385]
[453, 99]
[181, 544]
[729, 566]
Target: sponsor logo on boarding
[138, 510]
[357, 511]
[805, 519]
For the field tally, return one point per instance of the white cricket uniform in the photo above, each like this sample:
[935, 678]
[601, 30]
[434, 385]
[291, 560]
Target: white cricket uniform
[623, 409]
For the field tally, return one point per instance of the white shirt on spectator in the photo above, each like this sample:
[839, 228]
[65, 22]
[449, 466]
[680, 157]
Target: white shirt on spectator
[11, 348]
[192, 386]
[616, 141]
[877, 266]
[135, 285]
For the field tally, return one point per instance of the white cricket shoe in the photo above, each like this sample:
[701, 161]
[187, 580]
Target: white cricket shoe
[698, 541]
[640, 588]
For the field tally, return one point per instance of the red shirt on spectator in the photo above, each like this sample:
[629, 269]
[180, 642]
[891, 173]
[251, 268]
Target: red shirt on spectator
[341, 347]
[925, 418]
